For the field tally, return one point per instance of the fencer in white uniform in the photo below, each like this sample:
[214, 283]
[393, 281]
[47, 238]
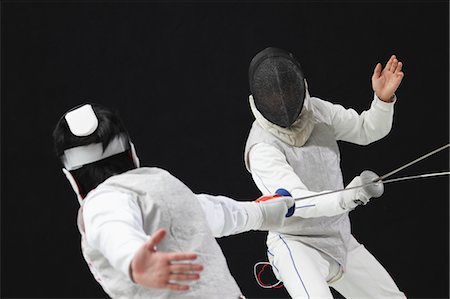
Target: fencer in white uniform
[293, 145]
[123, 204]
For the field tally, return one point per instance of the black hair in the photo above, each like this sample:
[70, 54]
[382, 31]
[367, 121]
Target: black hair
[91, 175]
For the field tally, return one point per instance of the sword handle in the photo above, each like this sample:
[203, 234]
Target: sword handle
[279, 193]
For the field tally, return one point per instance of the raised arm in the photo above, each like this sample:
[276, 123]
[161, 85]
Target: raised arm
[374, 123]
[386, 81]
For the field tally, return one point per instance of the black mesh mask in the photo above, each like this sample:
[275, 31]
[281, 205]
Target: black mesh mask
[277, 85]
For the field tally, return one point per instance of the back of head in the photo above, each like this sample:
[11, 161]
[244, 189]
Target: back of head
[93, 145]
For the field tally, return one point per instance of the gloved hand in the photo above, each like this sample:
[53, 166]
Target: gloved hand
[275, 209]
[361, 196]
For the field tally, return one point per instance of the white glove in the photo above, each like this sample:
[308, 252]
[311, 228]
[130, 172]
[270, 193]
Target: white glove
[274, 212]
[360, 196]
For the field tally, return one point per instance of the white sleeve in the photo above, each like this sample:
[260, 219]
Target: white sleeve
[113, 226]
[271, 171]
[226, 216]
[367, 127]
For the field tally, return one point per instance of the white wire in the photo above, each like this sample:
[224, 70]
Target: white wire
[376, 181]
[256, 276]
[383, 177]
[418, 176]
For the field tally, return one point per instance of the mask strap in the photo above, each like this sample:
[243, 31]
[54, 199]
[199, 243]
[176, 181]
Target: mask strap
[134, 155]
[76, 157]
[73, 184]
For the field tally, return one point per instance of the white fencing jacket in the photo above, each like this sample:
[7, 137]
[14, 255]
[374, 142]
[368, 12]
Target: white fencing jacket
[276, 159]
[119, 216]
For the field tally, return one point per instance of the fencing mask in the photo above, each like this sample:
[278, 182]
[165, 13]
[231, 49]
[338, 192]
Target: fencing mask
[278, 86]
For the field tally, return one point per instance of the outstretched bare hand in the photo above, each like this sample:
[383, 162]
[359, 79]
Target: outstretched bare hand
[385, 82]
[164, 270]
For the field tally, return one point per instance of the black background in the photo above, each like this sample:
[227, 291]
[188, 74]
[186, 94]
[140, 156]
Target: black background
[177, 72]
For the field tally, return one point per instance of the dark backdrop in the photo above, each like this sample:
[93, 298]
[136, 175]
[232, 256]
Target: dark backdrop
[177, 72]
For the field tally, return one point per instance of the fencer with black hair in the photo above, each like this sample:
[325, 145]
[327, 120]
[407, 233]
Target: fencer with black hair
[108, 126]
[292, 144]
[127, 211]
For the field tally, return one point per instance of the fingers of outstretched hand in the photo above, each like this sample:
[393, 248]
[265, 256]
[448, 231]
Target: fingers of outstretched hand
[182, 272]
[177, 287]
[388, 66]
[184, 276]
[377, 71]
[181, 267]
[399, 67]
[157, 237]
[181, 256]
[394, 65]
[398, 71]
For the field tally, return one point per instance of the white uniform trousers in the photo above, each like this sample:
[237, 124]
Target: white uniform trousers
[308, 273]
